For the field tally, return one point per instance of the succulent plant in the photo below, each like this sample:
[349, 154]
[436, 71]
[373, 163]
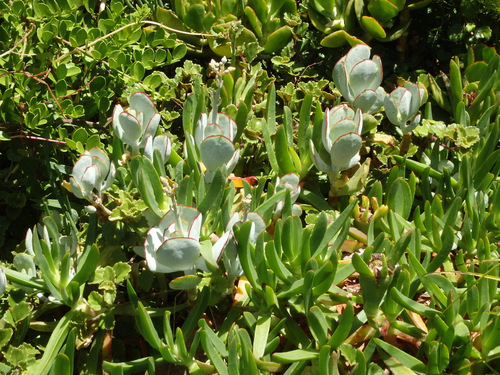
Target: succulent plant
[140, 121]
[358, 79]
[402, 105]
[92, 174]
[340, 140]
[160, 143]
[227, 242]
[290, 181]
[173, 245]
[213, 136]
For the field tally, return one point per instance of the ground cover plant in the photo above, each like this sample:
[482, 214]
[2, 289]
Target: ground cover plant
[297, 187]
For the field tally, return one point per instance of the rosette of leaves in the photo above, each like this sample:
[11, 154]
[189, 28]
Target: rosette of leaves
[173, 245]
[138, 122]
[401, 106]
[271, 21]
[340, 142]
[92, 173]
[335, 18]
[358, 79]
[385, 20]
[251, 25]
[213, 136]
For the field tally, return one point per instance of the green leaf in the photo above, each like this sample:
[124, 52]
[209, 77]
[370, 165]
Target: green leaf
[404, 358]
[148, 182]
[343, 328]
[261, 335]
[278, 39]
[55, 343]
[215, 357]
[146, 327]
[318, 325]
[412, 305]
[335, 227]
[269, 126]
[400, 198]
[296, 355]
[213, 194]
[394, 255]
[282, 153]
[62, 364]
[245, 253]
[196, 312]
[185, 282]
[373, 27]
[87, 264]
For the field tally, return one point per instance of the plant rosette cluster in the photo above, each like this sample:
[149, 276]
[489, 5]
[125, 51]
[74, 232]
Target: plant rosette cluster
[174, 244]
[358, 79]
[137, 125]
[92, 173]
[213, 138]
[401, 106]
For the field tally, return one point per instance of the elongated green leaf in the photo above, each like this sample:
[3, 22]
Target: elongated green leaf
[403, 357]
[398, 249]
[148, 182]
[146, 326]
[261, 335]
[400, 198]
[196, 313]
[269, 126]
[213, 194]
[55, 343]
[275, 264]
[214, 356]
[282, 155]
[243, 238]
[317, 324]
[344, 327]
[413, 305]
[62, 364]
[447, 241]
[297, 355]
[25, 280]
[332, 230]
[87, 264]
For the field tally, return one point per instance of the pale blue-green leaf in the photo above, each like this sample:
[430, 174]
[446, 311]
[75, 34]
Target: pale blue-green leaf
[177, 254]
[185, 282]
[128, 129]
[216, 151]
[365, 100]
[365, 75]
[141, 103]
[344, 152]
[356, 54]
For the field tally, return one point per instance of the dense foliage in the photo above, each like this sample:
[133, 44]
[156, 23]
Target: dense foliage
[262, 186]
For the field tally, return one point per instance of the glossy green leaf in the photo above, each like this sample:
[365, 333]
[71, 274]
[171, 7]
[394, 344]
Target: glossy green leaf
[278, 39]
[261, 335]
[404, 358]
[400, 198]
[296, 355]
[318, 325]
[412, 305]
[185, 282]
[282, 154]
[373, 27]
[214, 356]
